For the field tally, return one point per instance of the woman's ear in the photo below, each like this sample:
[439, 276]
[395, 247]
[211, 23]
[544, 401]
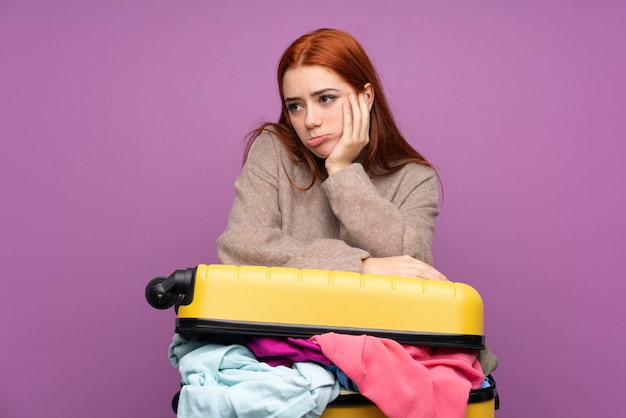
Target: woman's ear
[368, 91]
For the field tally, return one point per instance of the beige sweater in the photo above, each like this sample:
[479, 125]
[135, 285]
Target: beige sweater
[335, 224]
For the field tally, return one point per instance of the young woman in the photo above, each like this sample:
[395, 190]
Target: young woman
[333, 184]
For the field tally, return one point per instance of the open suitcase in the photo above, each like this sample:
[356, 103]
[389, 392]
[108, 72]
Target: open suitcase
[284, 302]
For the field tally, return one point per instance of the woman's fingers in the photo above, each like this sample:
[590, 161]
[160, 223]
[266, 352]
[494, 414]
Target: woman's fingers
[355, 135]
[347, 120]
[353, 119]
[355, 115]
[405, 265]
[417, 268]
[360, 118]
[365, 118]
[431, 274]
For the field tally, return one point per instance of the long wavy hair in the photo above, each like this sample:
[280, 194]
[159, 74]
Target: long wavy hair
[387, 150]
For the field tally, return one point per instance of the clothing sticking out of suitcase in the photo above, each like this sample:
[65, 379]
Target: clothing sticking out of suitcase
[276, 302]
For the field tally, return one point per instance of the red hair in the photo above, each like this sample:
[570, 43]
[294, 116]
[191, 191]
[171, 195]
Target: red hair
[387, 150]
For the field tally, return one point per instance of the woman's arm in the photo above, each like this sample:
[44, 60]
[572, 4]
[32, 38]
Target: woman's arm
[254, 234]
[387, 216]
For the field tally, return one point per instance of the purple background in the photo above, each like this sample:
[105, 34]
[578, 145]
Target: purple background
[121, 134]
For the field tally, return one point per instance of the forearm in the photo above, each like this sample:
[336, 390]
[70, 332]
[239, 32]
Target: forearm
[263, 247]
[401, 223]
[261, 228]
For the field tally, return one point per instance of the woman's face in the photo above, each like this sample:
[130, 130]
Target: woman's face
[314, 97]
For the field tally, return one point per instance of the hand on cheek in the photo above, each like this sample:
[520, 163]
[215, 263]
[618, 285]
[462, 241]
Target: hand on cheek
[355, 135]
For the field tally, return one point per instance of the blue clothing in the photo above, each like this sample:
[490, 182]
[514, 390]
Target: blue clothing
[228, 381]
[344, 381]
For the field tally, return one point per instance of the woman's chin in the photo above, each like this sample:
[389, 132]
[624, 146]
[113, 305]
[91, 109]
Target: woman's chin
[323, 151]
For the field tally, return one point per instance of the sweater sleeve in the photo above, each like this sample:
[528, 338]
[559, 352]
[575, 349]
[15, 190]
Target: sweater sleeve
[254, 236]
[399, 223]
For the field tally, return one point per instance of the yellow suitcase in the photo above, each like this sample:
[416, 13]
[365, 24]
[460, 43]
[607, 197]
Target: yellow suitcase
[278, 301]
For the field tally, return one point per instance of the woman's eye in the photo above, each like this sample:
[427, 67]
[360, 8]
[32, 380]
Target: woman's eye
[293, 107]
[327, 98]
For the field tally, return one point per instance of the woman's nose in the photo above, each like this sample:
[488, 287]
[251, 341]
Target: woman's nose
[312, 118]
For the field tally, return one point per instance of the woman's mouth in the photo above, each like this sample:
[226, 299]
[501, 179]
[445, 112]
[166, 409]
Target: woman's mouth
[315, 141]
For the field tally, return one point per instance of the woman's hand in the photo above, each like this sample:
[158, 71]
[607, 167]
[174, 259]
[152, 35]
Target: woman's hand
[355, 136]
[403, 265]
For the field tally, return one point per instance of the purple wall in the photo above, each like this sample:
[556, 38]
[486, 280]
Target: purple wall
[121, 127]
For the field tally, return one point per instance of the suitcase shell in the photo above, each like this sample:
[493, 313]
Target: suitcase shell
[279, 301]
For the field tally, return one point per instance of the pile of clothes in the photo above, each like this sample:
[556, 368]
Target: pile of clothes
[297, 378]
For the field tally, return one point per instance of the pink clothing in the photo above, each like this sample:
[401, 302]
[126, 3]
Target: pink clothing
[406, 381]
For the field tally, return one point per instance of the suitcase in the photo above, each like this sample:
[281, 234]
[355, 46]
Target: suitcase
[285, 302]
